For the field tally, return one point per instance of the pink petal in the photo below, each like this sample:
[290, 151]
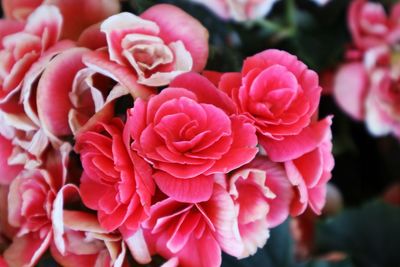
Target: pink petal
[176, 25]
[205, 91]
[7, 172]
[92, 38]
[8, 27]
[54, 87]
[292, 147]
[350, 88]
[190, 190]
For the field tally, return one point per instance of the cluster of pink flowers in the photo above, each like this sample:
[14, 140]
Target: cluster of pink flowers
[114, 139]
[367, 85]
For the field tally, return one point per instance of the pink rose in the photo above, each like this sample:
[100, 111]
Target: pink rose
[194, 234]
[88, 11]
[115, 182]
[239, 10]
[279, 95]
[22, 49]
[310, 174]
[370, 25]
[30, 202]
[160, 44]
[188, 132]
[79, 240]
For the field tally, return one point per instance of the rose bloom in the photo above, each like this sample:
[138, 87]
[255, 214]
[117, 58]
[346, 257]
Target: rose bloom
[191, 235]
[8, 170]
[279, 95]
[115, 182]
[79, 240]
[160, 44]
[88, 11]
[370, 25]
[239, 10]
[310, 174]
[30, 203]
[23, 48]
[188, 132]
[262, 195]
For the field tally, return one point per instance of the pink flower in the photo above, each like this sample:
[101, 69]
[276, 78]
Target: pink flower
[115, 182]
[370, 26]
[382, 103]
[188, 132]
[78, 238]
[310, 174]
[194, 234]
[239, 10]
[30, 202]
[22, 49]
[88, 11]
[160, 44]
[351, 85]
[277, 93]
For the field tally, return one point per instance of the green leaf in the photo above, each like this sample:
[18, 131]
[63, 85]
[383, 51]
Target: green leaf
[370, 235]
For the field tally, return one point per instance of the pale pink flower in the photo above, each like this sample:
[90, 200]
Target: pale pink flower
[188, 132]
[194, 234]
[79, 240]
[23, 48]
[279, 95]
[239, 10]
[115, 182]
[160, 44]
[30, 203]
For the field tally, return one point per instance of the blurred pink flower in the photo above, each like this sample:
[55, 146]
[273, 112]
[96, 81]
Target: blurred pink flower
[188, 132]
[239, 10]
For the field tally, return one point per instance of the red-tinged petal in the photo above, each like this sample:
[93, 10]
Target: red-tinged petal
[19, 9]
[213, 76]
[350, 88]
[243, 148]
[177, 25]
[310, 166]
[221, 211]
[92, 38]
[172, 262]
[72, 259]
[317, 198]
[229, 81]
[27, 249]
[54, 87]
[190, 190]
[8, 27]
[7, 171]
[90, 191]
[255, 235]
[204, 90]
[292, 147]
[89, 12]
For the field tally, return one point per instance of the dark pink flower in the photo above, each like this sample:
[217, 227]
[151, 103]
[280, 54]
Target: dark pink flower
[310, 174]
[188, 132]
[115, 182]
[160, 44]
[194, 234]
[279, 95]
